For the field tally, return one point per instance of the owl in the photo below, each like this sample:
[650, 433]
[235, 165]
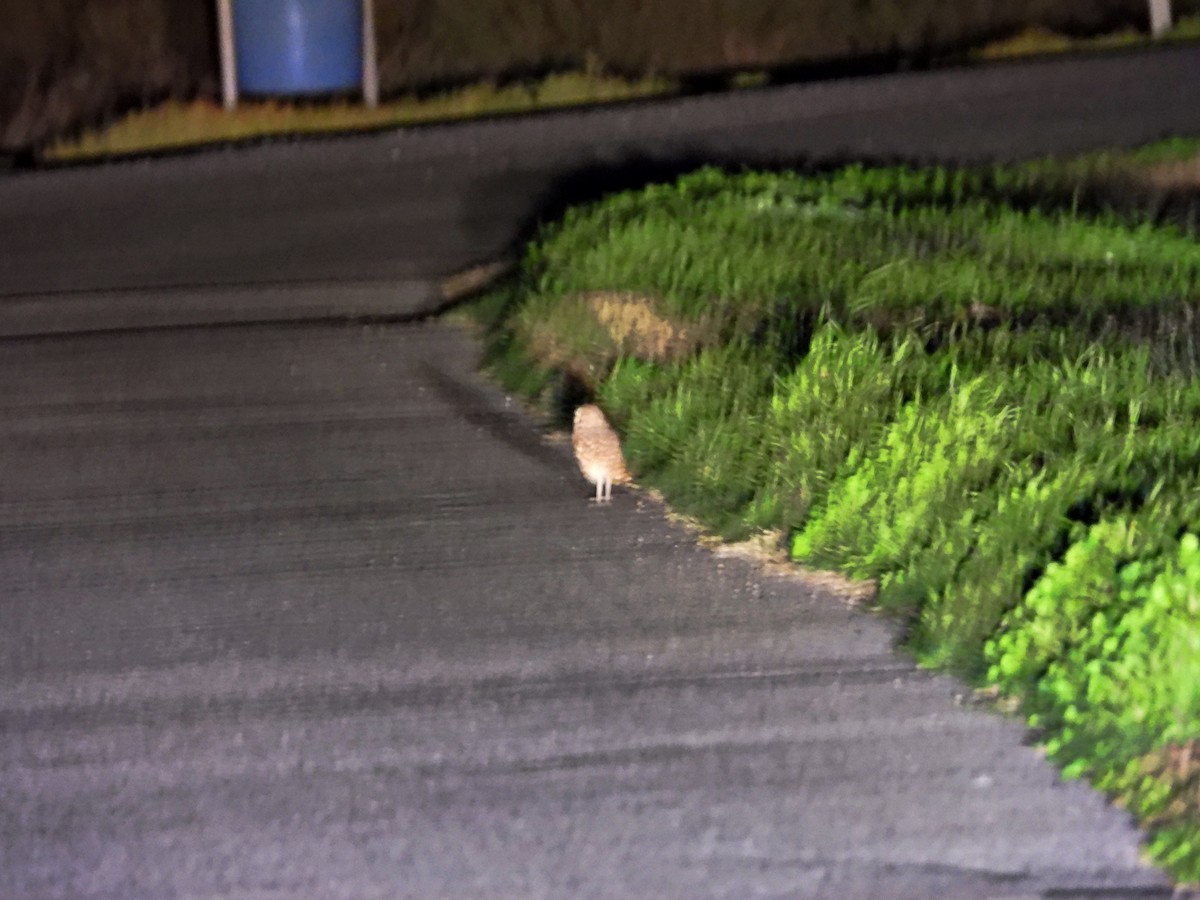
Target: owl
[598, 451]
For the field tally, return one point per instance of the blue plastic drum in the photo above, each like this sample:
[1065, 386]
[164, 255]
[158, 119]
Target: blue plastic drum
[298, 47]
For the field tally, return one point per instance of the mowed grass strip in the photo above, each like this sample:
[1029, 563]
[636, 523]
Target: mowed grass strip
[1038, 40]
[181, 124]
[959, 384]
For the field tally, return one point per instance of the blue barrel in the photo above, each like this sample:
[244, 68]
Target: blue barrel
[298, 47]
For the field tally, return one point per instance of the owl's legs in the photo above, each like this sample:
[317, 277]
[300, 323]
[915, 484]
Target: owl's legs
[608, 490]
[599, 490]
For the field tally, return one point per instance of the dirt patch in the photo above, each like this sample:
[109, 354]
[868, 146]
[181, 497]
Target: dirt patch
[472, 281]
[1179, 174]
[637, 329]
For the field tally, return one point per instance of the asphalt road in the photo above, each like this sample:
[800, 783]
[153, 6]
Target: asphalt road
[309, 610]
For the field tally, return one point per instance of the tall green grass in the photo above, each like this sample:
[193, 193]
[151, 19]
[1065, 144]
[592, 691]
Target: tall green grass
[902, 249]
[940, 380]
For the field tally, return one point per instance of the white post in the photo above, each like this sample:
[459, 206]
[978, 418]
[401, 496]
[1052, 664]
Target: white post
[1160, 17]
[370, 72]
[229, 91]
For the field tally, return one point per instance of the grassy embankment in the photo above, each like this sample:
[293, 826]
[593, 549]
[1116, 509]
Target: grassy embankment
[176, 124]
[978, 388]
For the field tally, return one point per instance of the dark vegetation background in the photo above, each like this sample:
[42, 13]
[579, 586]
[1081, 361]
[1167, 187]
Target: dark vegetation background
[69, 63]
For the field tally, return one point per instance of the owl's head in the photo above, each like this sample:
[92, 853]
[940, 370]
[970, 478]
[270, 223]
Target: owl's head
[589, 415]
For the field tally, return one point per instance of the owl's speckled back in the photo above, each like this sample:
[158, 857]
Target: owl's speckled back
[598, 451]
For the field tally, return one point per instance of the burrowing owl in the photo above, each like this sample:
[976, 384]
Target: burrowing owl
[598, 451]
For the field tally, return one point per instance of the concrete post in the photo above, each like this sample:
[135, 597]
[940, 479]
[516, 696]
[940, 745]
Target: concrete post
[1160, 17]
[370, 72]
[229, 90]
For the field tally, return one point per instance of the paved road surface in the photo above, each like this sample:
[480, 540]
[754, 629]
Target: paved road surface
[309, 611]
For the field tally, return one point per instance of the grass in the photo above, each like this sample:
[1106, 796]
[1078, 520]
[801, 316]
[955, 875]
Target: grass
[1037, 40]
[978, 388]
[178, 124]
